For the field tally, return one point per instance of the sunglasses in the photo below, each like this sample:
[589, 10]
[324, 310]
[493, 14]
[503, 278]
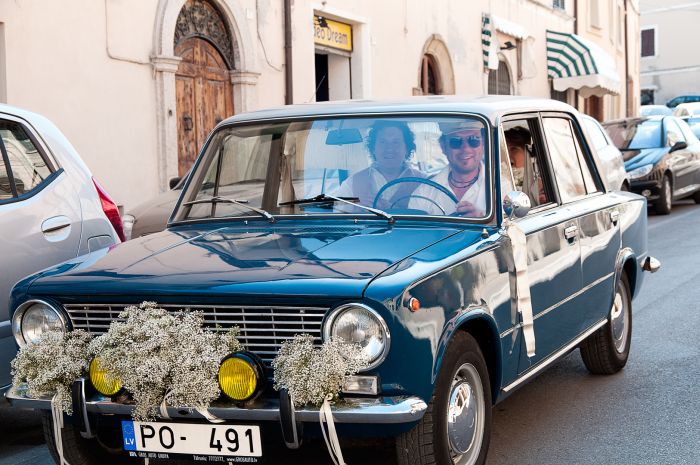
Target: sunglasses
[456, 143]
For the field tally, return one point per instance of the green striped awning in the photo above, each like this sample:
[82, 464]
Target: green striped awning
[577, 63]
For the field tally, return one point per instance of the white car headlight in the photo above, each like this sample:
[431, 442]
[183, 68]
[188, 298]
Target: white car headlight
[359, 324]
[34, 318]
[640, 172]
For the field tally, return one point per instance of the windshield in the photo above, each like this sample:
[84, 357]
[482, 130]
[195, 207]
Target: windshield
[418, 166]
[636, 134]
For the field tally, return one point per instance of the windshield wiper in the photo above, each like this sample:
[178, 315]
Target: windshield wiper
[241, 203]
[325, 198]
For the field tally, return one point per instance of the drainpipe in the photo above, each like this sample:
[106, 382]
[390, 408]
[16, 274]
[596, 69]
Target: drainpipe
[576, 32]
[628, 106]
[288, 82]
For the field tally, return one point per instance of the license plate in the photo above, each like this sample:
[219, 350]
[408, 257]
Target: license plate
[184, 438]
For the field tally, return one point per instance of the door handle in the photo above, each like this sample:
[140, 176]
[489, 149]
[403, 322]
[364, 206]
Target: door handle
[614, 217]
[570, 233]
[54, 224]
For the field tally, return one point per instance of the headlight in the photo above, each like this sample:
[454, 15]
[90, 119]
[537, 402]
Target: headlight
[240, 376]
[359, 324]
[102, 381]
[35, 317]
[640, 172]
[128, 225]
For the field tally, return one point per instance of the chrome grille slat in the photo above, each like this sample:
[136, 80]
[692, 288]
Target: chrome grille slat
[263, 329]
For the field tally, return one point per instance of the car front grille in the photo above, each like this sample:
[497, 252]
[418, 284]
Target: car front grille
[262, 329]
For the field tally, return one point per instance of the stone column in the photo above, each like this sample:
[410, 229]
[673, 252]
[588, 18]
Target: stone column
[245, 91]
[164, 68]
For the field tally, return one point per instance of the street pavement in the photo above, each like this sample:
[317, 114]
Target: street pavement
[647, 414]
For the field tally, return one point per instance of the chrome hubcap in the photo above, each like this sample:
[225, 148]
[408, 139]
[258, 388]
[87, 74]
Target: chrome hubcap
[619, 323]
[465, 415]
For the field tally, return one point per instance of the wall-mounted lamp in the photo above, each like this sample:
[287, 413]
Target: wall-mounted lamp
[321, 21]
[508, 45]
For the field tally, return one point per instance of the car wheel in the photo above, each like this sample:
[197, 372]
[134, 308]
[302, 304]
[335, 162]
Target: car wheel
[696, 197]
[456, 427]
[606, 351]
[665, 201]
[76, 449]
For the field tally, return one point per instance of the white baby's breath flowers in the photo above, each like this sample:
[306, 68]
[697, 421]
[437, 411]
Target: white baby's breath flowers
[50, 365]
[159, 355]
[310, 373]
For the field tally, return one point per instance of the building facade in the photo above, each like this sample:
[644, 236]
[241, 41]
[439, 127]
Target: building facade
[137, 85]
[669, 64]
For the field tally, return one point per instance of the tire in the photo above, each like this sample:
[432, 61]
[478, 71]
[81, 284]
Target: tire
[76, 449]
[664, 203]
[606, 351]
[463, 371]
[696, 197]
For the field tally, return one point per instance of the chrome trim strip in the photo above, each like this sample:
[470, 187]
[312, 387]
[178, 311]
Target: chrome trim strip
[561, 302]
[382, 410]
[555, 356]
[576, 294]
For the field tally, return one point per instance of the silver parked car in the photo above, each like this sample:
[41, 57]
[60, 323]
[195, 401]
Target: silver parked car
[51, 210]
[612, 165]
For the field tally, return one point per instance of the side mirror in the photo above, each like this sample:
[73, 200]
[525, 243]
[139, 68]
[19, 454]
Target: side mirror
[516, 204]
[680, 145]
[174, 182]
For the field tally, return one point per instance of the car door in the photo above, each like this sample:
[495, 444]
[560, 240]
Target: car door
[554, 260]
[681, 161]
[598, 216]
[40, 218]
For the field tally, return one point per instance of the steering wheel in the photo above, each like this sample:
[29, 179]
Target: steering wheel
[426, 181]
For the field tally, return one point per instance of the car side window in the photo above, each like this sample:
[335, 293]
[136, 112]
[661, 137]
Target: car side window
[522, 150]
[5, 183]
[688, 133]
[572, 174]
[597, 137]
[28, 166]
[673, 133]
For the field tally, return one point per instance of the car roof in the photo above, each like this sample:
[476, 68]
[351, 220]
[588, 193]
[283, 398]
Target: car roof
[490, 106]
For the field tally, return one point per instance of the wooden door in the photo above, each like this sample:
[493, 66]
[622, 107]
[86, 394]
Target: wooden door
[204, 97]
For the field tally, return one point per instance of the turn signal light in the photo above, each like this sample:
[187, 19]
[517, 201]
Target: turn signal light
[102, 381]
[239, 376]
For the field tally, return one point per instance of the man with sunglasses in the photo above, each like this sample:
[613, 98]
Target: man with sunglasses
[462, 142]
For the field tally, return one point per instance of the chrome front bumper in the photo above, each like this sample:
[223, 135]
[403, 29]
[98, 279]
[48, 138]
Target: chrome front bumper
[382, 410]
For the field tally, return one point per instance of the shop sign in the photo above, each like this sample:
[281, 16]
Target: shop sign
[332, 34]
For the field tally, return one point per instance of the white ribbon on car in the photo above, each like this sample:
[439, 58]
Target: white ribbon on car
[57, 417]
[518, 243]
[163, 408]
[325, 415]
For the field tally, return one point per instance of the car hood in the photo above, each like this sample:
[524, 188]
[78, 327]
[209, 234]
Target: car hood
[640, 157]
[330, 260]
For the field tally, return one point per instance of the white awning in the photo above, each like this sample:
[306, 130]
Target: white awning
[577, 63]
[509, 27]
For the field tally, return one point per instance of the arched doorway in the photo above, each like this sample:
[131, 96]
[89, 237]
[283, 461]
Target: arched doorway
[435, 75]
[204, 93]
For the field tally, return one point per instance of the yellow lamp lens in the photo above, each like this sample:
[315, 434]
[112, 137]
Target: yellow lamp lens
[101, 380]
[237, 378]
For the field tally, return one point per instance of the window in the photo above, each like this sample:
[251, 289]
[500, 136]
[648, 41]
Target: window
[647, 97]
[687, 132]
[649, 42]
[572, 173]
[6, 191]
[521, 161]
[673, 133]
[499, 80]
[562, 96]
[430, 77]
[559, 4]
[26, 163]
[595, 132]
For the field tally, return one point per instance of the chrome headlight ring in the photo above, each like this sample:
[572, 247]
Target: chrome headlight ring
[20, 313]
[332, 318]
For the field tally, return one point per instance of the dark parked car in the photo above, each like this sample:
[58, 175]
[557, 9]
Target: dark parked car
[662, 158]
[411, 264]
[152, 215]
[675, 101]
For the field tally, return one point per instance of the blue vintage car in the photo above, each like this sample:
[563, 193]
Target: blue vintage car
[393, 225]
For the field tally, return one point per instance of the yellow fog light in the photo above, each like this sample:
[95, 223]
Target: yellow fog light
[102, 381]
[239, 376]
